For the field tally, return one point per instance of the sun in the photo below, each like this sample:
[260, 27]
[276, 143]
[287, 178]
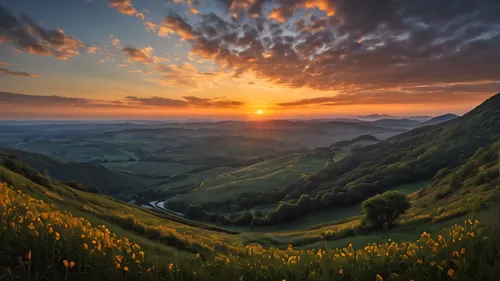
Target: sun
[259, 112]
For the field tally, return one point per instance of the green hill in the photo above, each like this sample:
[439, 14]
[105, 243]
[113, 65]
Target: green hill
[415, 156]
[91, 175]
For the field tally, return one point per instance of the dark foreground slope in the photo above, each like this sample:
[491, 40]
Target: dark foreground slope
[56, 233]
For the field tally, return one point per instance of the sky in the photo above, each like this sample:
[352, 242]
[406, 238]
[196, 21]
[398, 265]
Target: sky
[246, 59]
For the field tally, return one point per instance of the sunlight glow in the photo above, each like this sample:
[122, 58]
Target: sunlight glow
[259, 112]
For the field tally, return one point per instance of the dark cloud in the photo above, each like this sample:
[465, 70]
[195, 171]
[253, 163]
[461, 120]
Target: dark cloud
[5, 71]
[187, 101]
[353, 46]
[138, 55]
[7, 98]
[175, 24]
[414, 95]
[28, 36]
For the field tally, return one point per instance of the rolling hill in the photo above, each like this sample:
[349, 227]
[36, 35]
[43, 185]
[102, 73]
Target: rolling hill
[415, 156]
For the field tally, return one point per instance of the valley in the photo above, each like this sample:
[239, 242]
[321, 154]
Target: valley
[217, 189]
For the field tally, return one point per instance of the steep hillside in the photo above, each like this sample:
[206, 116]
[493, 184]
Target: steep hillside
[410, 157]
[440, 119]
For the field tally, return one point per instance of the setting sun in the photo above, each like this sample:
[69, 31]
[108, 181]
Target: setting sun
[259, 112]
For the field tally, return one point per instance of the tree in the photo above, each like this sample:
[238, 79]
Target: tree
[194, 211]
[382, 210]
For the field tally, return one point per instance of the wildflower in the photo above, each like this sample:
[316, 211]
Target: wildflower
[58, 236]
[455, 254]
[85, 246]
[149, 269]
[450, 272]
[197, 256]
[170, 266]
[462, 251]
[66, 263]
[433, 263]
[379, 278]
[71, 264]
[320, 255]
[125, 268]
[341, 271]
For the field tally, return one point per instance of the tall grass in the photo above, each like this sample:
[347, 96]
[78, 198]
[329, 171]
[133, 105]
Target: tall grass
[39, 242]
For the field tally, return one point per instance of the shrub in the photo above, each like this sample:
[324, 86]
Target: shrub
[382, 210]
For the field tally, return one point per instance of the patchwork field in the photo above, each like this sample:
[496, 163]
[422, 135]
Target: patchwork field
[271, 175]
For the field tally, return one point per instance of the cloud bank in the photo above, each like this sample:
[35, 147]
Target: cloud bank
[357, 46]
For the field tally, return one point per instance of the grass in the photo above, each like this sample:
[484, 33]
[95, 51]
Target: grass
[42, 242]
[267, 175]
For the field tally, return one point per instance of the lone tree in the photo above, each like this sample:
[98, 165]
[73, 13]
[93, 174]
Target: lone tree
[382, 210]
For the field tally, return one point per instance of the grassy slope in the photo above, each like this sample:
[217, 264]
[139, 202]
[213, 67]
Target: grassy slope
[43, 243]
[105, 180]
[264, 176]
[410, 157]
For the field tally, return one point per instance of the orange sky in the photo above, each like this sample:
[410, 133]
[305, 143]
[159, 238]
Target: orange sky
[290, 59]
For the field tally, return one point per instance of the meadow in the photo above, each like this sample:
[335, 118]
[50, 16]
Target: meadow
[40, 242]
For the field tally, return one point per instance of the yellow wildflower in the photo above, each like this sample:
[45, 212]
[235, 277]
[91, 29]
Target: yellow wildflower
[450, 272]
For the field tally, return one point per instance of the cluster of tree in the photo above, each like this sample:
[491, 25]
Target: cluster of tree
[382, 210]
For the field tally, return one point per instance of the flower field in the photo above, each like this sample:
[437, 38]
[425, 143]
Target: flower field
[40, 242]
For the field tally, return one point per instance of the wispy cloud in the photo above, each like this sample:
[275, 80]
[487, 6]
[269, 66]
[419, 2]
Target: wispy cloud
[16, 99]
[187, 101]
[125, 7]
[4, 71]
